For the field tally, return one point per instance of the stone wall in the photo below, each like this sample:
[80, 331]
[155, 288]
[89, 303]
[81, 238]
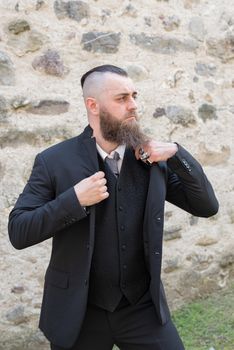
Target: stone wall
[180, 54]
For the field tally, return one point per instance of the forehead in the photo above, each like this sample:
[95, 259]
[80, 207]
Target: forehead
[115, 84]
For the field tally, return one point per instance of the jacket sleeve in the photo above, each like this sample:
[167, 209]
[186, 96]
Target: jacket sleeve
[188, 186]
[37, 214]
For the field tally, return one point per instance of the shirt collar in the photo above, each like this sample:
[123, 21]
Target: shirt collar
[120, 149]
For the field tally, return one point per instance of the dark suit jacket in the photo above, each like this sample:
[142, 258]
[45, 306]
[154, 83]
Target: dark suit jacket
[48, 207]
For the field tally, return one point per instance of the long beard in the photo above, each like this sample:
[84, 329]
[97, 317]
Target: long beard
[121, 132]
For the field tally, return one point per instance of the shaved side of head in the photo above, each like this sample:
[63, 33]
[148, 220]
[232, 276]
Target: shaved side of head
[94, 84]
[93, 81]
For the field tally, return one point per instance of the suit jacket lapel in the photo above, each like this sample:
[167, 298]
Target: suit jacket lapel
[88, 152]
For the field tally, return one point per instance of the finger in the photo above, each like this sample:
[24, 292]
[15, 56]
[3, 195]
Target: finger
[98, 175]
[138, 151]
[103, 189]
[103, 181]
[104, 195]
[137, 154]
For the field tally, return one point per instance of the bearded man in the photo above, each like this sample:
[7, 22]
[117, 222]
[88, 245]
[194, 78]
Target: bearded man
[101, 197]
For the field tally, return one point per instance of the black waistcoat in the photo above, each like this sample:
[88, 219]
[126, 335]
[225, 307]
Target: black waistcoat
[118, 265]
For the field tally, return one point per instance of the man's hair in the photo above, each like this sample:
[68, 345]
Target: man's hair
[103, 69]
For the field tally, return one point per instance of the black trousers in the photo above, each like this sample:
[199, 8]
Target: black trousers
[130, 327]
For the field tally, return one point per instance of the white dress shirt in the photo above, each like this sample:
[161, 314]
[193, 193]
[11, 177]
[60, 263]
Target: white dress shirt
[120, 149]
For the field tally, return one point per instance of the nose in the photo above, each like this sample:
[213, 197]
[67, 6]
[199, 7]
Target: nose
[132, 105]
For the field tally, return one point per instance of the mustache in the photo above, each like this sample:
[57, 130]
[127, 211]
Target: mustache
[132, 115]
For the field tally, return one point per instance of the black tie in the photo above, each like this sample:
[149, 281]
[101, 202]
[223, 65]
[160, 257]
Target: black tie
[113, 163]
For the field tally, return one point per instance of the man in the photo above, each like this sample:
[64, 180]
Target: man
[101, 197]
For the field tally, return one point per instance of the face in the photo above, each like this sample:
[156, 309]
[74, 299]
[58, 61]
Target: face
[118, 97]
[118, 112]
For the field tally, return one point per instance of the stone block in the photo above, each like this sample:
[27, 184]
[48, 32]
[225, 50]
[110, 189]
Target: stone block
[7, 71]
[180, 115]
[103, 42]
[48, 107]
[163, 45]
[3, 109]
[25, 42]
[18, 26]
[207, 112]
[205, 69]
[221, 47]
[172, 232]
[75, 10]
[50, 63]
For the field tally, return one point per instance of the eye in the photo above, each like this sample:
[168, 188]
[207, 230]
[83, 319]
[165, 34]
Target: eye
[122, 98]
[135, 97]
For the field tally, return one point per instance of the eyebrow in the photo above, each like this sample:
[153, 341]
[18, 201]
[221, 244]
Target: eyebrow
[127, 94]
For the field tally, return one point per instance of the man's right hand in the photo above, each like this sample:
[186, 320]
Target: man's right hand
[92, 190]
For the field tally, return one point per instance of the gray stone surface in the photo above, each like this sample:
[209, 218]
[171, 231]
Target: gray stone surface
[19, 102]
[207, 111]
[205, 69]
[40, 4]
[48, 107]
[197, 29]
[130, 11]
[7, 71]
[159, 112]
[227, 260]
[16, 315]
[18, 26]
[26, 42]
[3, 109]
[171, 23]
[18, 289]
[221, 47]
[76, 10]
[103, 42]
[163, 45]
[50, 63]
[193, 220]
[13, 137]
[213, 157]
[206, 240]
[172, 232]
[209, 85]
[137, 72]
[180, 115]
[2, 173]
[171, 265]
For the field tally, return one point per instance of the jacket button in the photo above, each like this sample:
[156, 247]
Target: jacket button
[86, 282]
[122, 227]
[156, 253]
[120, 208]
[123, 246]
[158, 218]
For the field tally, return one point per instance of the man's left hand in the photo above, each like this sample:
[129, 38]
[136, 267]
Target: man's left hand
[154, 151]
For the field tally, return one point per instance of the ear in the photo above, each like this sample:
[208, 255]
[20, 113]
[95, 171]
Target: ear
[92, 105]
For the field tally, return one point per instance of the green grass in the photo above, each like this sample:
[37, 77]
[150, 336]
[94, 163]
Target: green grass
[207, 323]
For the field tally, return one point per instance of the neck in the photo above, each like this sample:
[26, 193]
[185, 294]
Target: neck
[107, 146]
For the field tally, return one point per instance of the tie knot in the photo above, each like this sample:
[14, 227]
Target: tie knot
[113, 163]
[116, 156]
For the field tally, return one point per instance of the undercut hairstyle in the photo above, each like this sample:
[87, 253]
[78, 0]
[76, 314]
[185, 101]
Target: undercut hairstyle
[106, 68]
